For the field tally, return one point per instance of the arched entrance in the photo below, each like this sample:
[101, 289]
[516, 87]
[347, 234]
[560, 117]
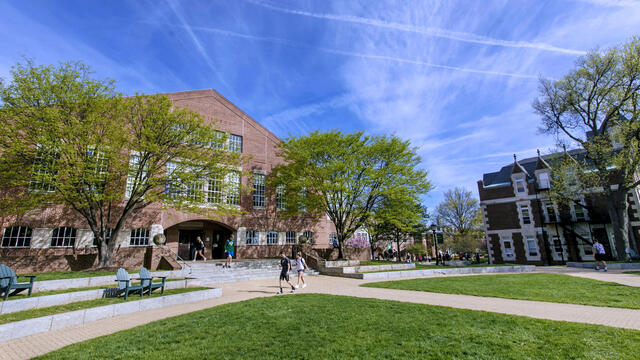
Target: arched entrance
[181, 238]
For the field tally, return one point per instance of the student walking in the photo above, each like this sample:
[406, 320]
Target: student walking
[599, 254]
[199, 246]
[228, 250]
[285, 265]
[301, 265]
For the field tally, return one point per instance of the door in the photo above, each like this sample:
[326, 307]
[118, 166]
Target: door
[217, 243]
[600, 234]
[186, 242]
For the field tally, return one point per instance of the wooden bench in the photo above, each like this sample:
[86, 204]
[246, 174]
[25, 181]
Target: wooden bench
[124, 284]
[9, 282]
[146, 280]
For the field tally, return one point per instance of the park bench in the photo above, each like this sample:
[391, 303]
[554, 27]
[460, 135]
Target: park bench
[147, 281]
[9, 281]
[124, 284]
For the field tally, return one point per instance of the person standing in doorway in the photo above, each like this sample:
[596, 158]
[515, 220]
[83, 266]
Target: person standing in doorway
[285, 265]
[301, 265]
[199, 247]
[228, 251]
[599, 254]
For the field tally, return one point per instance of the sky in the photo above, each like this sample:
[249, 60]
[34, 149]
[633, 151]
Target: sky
[456, 78]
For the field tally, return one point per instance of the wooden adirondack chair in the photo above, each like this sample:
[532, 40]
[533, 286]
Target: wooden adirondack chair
[124, 284]
[147, 281]
[9, 281]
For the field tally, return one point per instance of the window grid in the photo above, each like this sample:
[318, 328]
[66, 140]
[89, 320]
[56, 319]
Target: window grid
[214, 190]
[543, 181]
[16, 237]
[252, 237]
[134, 164]
[233, 180]
[235, 143]
[171, 187]
[290, 237]
[272, 238]
[43, 170]
[531, 244]
[280, 201]
[579, 211]
[551, 212]
[63, 237]
[309, 236]
[557, 246]
[258, 191]
[526, 217]
[139, 237]
[520, 186]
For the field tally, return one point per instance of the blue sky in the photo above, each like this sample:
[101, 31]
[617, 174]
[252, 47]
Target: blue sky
[457, 78]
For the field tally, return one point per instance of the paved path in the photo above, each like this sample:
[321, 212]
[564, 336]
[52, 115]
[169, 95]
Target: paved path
[39, 344]
[617, 276]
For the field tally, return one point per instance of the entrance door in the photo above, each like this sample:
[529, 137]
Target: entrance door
[601, 235]
[186, 242]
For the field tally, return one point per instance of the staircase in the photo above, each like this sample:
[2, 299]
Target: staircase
[212, 272]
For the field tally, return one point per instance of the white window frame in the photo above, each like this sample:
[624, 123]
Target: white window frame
[259, 188]
[281, 203]
[21, 237]
[139, 237]
[291, 237]
[43, 163]
[503, 241]
[523, 181]
[544, 180]
[546, 205]
[252, 237]
[529, 239]
[309, 235]
[522, 208]
[66, 239]
[272, 238]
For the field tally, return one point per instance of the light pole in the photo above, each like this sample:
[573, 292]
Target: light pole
[434, 228]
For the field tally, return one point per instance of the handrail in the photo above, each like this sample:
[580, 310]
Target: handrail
[178, 258]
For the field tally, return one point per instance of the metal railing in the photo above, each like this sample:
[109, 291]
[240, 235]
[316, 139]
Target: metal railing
[178, 258]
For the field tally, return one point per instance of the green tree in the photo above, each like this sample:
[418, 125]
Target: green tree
[397, 220]
[347, 176]
[459, 210]
[596, 107]
[71, 140]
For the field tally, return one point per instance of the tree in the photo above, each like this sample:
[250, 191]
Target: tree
[596, 107]
[459, 210]
[69, 139]
[347, 176]
[397, 220]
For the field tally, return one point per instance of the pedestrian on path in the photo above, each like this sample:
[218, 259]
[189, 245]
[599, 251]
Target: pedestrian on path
[228, 250]
[199, 246]
[285, 265]
[301, 265]
[599, 254]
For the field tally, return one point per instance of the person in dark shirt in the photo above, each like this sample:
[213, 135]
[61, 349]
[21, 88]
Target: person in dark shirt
[285, 265]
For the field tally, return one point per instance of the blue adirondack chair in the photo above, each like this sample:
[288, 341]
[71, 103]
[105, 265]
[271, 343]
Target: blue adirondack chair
[146, 280]
[124, 284]
[9, 281]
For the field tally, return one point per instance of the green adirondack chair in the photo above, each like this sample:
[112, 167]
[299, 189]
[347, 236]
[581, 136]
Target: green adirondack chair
[146, 280]
[9, 281]
[124, 284]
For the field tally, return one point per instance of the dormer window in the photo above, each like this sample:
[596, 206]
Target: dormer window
[520, 185]
[543, 181]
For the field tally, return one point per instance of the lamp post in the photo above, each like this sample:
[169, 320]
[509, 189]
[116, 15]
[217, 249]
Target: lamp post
[434, 228]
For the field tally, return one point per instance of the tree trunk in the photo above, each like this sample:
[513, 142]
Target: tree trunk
[617, 209]
[341, 249]
[105, 255]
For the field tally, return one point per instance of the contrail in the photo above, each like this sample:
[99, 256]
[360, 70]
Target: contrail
[429, 31]
[360, 55]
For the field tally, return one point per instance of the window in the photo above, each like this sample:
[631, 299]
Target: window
[557, 245]
[107, 236]
[290, 237]
[258, 190]
[139, 237]
[309, 236]
[132, 180]
[252, 237]
[333, 239]
[233, 181]
[214, 190]
[578, 210]
[508, 250]
[195, 190]
[171, 187]
[280, 201]
[97, 174]
[303, 198]
[588, 248]
[63, 237]
[526, 217]
[551, 212]
[43, 171]
[235, 143]
[531, 246]
[16, 237]
[543, 181]
[520, 185]
[272, 238]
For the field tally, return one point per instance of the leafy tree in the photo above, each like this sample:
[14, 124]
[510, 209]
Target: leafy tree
[347, 176]
[459, 210]
[397, 220]
[71, 140]
[596, 107]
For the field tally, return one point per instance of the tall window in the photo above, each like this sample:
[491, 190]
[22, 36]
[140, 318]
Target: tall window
[309, 236]
[303, 197]
[63, 237]
[543, 181]
[16, 237]
[98, 173]
[172, 187]
[508, 249]
[252, 237]
[272, 238]
[233, 181]
[557, 245]
[43, 171]
[290, 237]
[235, 143]
[579, 211]
[531, 246]
[526, 217]
[258, 191]
[551, 212]
[139, 237]
[520, 185]
[214, 190]
[195, 190]
[135, 171]
[280, 201]
[333, 239]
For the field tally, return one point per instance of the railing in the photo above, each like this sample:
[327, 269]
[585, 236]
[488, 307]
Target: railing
[178, 258]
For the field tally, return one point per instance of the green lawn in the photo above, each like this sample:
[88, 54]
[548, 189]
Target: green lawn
[632, 272]
[79, 305]
[312, 326]
[542, 287]
[58, 275]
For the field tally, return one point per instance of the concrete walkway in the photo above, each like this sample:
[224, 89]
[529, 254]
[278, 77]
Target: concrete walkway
[39, 344]
[616, 276]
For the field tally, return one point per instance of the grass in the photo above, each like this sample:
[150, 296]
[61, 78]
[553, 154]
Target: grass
[632, 272]
[23, 295]
[313, 326]
[79, 305]
[541, 287]
[59, 275]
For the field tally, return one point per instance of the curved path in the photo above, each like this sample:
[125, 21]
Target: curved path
[39, 344]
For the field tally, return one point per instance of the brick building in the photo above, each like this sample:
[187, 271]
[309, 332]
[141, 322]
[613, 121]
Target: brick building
[58, 239]
[524, 226]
